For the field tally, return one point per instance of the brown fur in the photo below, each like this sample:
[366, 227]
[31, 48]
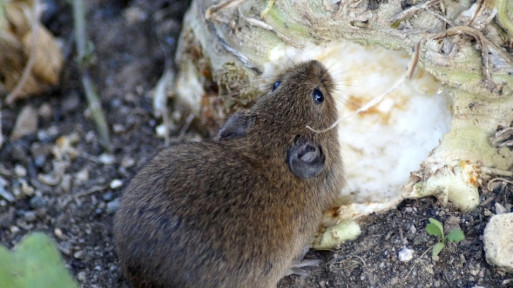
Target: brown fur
[229, 212]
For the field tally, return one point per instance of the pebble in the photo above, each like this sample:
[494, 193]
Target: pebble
[405, 255]
[3, 182]
[37, 202]
[497, 241]
[6, 194]
[116, 183]
[78, 255]
[112, 206]
[127, 162]
[499, 209]
[20, 171]
[26, 123]
[26, 189]
[59, 234]
[45, 111]
[14, 229]
[30, 216]
[82, 176]
[161, 130]
[118, 128]
[43, 136]
[81, 276]
[108, 196]
[107, 159]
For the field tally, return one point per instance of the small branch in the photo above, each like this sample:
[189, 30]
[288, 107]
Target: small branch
[96, 111]
[91, 95]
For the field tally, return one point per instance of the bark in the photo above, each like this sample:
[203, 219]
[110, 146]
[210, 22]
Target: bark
[228, 49]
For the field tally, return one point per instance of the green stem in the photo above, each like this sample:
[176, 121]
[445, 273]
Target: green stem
[91, 95]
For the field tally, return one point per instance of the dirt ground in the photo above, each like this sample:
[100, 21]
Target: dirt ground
[134, 41]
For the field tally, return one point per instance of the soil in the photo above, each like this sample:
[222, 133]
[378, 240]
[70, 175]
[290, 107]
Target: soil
[66, 185]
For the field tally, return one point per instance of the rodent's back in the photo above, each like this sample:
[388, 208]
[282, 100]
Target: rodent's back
[221, 226]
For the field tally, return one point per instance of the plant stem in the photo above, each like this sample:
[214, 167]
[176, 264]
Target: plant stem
[91, 95]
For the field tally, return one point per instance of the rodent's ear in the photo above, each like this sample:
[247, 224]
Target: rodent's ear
[305, 158]
[235, 127]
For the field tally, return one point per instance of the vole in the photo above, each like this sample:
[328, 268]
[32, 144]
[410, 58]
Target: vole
[237, 210]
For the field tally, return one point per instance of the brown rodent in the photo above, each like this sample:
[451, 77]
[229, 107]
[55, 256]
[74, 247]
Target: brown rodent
[238, 210]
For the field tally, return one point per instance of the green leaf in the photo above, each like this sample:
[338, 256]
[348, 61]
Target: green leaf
[455, 235]
[36, 262]
[437, 248]
[435, 228]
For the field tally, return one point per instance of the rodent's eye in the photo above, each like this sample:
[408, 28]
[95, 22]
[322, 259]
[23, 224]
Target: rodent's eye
[276, 84]
[318, 96]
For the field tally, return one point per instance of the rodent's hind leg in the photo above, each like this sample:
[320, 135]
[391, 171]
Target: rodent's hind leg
[297, 267]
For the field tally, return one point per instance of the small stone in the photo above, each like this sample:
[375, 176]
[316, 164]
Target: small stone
[16, 191]
[26, 189]
[51, 179]
[37, 202]
[118, 128]
[82, 176]
[43, 136]
[112, 206]
[14, 229]
[116, 183]
[127, 162]
[499, 209]
[108, 196]
[3, 182]
[20, 171]
[26, 123]
[6, 194]
[412, 230]
[107, 159]
[497, 241]
[30, 216]
[59, 234]
[79, 254]
[98, 268]
[161, 130]
[133, 15]
[405, 255]
[45, 111]
[81, 276]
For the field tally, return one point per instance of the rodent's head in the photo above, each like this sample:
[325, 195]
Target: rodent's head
[300, 96]
[276, 126]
